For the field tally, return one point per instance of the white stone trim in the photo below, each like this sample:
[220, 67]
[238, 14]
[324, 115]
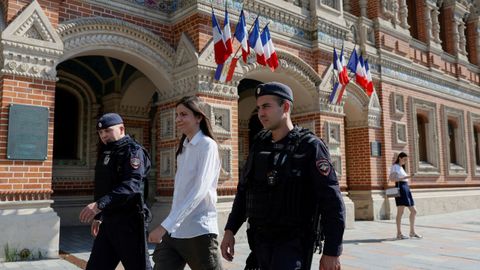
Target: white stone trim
[332, 133]
[398, 105]
[220, 119]
[128, 42]
[430, 109]
[310, 125]
[31, 46]
[474, 119]
[461, 167]
[167, 163]
[167, 124]
[400, 133]
[225, 153]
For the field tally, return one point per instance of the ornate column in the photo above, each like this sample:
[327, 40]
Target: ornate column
[390, 10]
[347, 7]
[404, 14]
[363, 7]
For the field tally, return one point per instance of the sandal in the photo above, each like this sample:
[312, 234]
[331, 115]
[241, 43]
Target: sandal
[401, 237]
[414, 235]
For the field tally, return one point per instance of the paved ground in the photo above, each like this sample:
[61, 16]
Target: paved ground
[451, 241]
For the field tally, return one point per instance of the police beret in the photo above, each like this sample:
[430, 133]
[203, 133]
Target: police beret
[274, 88]
[108, 120]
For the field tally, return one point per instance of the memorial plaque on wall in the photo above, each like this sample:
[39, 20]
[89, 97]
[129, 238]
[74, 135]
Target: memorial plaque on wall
[376, 149]
[27, 132]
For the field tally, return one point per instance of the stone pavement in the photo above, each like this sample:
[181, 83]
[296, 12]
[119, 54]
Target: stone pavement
[451, 241]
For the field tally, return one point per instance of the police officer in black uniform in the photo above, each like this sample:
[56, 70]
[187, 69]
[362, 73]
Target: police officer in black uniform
[287, 177]
[119, 213]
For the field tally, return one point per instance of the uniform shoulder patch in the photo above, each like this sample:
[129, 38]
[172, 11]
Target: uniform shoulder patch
[323, 166]
[135, 162]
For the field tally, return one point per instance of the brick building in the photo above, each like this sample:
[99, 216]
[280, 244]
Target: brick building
[76, 59]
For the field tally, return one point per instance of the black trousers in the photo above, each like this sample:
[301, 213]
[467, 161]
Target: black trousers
[122, 237]
[280, 254]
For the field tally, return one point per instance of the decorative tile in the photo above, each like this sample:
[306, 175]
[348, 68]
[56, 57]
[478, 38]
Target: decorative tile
[167, 163]
[167, 124]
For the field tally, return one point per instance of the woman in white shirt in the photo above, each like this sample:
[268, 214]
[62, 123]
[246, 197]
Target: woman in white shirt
[398, 174]
[189, 234]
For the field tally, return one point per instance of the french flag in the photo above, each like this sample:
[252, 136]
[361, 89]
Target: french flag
[219, 44]
[227, 35]
[356, 65]
[256, 43]
[224, 72]
[269, 49]
[341, 67]
[340, 76]
[241, 35]
[369, 88]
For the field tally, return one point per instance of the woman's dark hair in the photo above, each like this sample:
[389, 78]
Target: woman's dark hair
[401, 155]
[194, 104]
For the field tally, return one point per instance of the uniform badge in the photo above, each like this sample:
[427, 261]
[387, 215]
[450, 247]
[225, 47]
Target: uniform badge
[106, 159]
[135, 162]
[100, 125]
[323, 166]
[258, 90]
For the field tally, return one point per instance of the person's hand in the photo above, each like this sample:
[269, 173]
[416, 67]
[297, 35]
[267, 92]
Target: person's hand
[89, 212]
[156, 235]
[329, 263]
[95, 228]
[228, 245]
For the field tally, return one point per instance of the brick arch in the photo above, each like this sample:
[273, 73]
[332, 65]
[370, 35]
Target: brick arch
[122, 40]
[292, 71]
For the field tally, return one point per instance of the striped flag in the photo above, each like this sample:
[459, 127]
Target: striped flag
[241, 34]
[340, 77]
[227, 35]
[268, 49]
[219, 44]
[255, 43]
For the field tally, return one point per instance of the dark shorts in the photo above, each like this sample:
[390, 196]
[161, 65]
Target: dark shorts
[200, 253]
[405, 198]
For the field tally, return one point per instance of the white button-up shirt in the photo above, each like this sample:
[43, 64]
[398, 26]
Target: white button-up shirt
[193, 210]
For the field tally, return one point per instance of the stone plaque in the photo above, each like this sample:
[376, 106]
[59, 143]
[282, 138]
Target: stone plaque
[27, 132]
[376, 149]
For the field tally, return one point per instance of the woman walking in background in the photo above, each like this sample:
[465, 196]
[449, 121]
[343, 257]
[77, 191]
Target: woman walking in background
[189, 234]
[398, 174]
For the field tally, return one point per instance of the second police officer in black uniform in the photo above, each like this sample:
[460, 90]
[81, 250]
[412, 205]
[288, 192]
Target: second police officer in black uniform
[287, 178]
[118, 213]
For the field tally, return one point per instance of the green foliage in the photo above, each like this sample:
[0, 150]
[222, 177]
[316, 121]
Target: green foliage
[13, 254]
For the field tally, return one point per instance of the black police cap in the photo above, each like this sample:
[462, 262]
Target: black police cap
[108, 120]
[274, 88]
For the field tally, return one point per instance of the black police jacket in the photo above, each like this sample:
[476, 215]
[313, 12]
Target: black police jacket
[120, 173]
[322, 182]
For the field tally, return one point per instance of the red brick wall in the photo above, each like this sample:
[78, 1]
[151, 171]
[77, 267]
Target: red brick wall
[21, 179]
[391, 149]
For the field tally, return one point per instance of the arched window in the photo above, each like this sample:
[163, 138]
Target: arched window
[66, 126]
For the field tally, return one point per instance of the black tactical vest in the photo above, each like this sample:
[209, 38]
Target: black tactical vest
[108, 169]
[279, 190]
